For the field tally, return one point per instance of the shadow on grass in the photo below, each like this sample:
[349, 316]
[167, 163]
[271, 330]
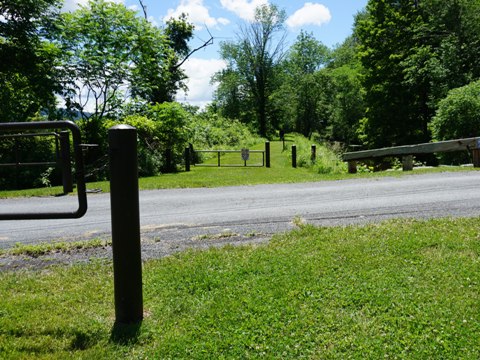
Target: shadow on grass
[125, 334]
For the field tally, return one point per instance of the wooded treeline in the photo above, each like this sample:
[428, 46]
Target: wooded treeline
[383, 86]
[409, 73]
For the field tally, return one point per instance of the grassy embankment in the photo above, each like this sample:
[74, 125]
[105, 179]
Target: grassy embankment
[400, 289]
[327, 167]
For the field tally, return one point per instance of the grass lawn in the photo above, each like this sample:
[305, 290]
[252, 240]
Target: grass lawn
[400, 289]
[281, 171]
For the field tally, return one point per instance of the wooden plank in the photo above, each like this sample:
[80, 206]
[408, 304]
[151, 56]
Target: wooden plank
[427, 148]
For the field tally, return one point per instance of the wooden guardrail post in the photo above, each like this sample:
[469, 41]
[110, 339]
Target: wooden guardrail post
[314, 153]
[407, 162]
[352, 167]
[476, 154]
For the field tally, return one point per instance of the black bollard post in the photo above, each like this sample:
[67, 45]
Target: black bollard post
[187, 158]
[66, 162]
[127, 261]
[267, 154]
[314, 153]
[294, 156]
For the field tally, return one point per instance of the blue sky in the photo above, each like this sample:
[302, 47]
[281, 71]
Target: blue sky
[330, 21]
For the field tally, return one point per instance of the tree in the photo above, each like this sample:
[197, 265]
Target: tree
[27, 59]
[305, 86]
[112, 56]
[386, 36]
[412, 54]
[344, 72]
[253, 58]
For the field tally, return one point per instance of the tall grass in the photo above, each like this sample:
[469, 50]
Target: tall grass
[326, 161]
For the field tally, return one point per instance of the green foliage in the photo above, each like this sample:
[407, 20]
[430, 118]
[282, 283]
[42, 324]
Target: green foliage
[27, 60]
[347, 103]
[326, 162]
[28, 150]
[252, 63]
[212, 131]
[400, 289]
[111, 55]
[303, 95]
[412, 54]
[458, 115]
[162, 136]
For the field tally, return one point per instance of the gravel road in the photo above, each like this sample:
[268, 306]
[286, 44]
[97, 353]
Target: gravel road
[173, 220]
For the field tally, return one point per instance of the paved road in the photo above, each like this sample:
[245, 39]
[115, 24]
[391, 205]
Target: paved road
[265, 209]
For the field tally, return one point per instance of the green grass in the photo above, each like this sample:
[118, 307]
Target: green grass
[281, 171]
[52, 247]
[400, 289]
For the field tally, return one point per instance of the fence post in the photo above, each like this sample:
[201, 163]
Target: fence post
[267, 154]
[124, 199]
[187, 158]
[66, 162]
[294, 156]
[407, 162]
[352, 167]
[314, 153]
[476, 154]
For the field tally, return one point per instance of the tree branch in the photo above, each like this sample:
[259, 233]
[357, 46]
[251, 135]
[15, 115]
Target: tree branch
[205, 44]
[144, 8]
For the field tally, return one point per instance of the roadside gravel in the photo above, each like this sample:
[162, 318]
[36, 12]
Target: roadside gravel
[151, 249]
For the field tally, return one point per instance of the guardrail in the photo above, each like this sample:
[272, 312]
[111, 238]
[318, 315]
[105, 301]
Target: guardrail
[408, 151]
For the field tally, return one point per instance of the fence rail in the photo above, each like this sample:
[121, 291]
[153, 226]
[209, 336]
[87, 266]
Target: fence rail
[245, 157]
[408, 151]
[219, 157]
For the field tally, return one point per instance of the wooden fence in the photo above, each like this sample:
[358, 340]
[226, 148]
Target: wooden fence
[407, 152]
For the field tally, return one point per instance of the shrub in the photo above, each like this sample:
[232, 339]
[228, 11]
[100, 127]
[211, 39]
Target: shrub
[458, 116]
[162, 137]
[327, 161]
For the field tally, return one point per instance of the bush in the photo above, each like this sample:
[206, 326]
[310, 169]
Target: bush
[327, 161]
[458, 116]
[162, 137]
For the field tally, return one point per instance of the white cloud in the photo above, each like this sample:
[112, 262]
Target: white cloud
[197, 13]
[310, 14]
[245, 9]
[199, 72]
[72, 5]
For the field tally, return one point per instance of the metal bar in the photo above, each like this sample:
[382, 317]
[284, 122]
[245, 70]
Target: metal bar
[29, 164]
[187, 158]
[28, 135]
[266, 154]
[65, 160]
[229, 151]
[229, 165]
[80, 172]
[294, 156]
